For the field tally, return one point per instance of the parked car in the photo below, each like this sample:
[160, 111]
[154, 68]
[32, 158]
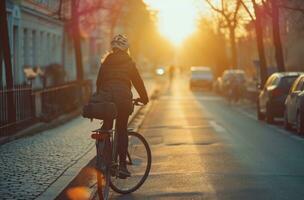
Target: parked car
[294, 106]
[271, 100]
[201, 77]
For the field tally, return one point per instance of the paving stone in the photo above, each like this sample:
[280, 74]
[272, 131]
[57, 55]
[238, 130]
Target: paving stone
[29, 165]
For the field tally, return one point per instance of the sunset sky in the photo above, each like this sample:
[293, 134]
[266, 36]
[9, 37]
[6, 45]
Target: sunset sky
[177, 19]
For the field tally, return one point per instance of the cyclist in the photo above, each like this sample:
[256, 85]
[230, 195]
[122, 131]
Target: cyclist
[171, 73]
[116, 75]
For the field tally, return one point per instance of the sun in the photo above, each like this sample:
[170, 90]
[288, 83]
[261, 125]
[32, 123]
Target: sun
[177, 19]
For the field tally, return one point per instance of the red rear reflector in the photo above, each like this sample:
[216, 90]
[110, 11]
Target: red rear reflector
[98, 136]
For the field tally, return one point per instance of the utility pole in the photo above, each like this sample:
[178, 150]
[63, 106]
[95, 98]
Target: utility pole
[4, 38]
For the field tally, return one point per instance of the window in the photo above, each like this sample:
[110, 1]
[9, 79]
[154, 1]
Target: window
[41, 49]
[15, 52]
[275, 81]
[25, 47]
[34, 48]
[48, 48]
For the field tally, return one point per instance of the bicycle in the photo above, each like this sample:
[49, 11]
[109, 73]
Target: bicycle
[107, 161]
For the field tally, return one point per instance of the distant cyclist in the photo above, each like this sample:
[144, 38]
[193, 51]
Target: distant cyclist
[116, 75]
[171, 73]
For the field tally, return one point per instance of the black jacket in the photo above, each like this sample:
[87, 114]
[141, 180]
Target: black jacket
[117, 74]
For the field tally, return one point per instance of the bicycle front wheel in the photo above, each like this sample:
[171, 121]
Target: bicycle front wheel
[138, 162]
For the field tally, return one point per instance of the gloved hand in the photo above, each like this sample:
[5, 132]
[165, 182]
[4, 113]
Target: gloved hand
[143, 101]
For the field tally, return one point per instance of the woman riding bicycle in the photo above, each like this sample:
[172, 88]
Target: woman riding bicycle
[116, 75]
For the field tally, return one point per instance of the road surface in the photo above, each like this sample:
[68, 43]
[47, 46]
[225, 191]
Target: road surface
[204, 148]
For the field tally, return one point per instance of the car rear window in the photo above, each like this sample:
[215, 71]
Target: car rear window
[202, 74]
[287, 81]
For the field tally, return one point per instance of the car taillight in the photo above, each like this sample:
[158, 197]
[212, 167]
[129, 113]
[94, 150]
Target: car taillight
[277, 92]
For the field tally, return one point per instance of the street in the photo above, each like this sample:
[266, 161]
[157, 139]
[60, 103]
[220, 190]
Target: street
[203, 82]
[204, 148]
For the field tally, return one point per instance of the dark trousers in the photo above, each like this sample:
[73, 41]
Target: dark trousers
[122, 134]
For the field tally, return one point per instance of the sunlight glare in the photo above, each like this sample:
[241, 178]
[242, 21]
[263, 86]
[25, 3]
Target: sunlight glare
[177, 19]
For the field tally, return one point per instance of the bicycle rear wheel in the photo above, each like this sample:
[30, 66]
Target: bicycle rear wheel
[139, 164]
[103, 171]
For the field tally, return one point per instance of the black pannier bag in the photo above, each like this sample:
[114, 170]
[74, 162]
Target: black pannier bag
[100, 107]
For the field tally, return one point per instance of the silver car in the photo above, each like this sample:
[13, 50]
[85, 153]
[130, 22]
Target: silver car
[294, 106]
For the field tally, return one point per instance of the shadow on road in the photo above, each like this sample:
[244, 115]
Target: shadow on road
[173, 195]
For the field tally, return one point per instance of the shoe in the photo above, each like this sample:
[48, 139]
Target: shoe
[123, 172]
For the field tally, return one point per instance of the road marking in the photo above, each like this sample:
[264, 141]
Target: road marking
[217, 127]
[191, 97]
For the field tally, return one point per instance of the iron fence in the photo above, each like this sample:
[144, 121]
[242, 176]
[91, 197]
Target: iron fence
[16, 108]
[56, 101]
[42, 105]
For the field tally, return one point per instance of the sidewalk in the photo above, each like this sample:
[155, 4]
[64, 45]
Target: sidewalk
[31, 165]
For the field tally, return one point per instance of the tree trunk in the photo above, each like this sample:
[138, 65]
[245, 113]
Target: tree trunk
[233, 61]
[4, 38]
[1, 70]
[260, 44]
[76, 38]
[276, 36]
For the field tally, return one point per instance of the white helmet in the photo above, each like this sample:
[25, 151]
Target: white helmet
[120, 42]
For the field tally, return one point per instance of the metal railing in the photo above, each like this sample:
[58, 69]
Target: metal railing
[58, 100]
[42, 105]
[20, 102]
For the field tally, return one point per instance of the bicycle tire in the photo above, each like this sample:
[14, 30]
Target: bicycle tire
[102, 172]
[147, 170]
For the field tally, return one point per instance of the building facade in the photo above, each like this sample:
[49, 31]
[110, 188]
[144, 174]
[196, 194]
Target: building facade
[38, 39]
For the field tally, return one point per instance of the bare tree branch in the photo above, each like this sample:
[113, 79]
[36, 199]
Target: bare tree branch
[221, 11]
[247, 10]
[235, 13]
[231, 18]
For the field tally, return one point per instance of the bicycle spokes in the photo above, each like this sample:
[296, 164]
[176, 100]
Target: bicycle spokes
[129, 159]
[138, 164]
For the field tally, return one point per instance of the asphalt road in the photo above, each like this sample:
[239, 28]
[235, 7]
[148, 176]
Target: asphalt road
[204, 148]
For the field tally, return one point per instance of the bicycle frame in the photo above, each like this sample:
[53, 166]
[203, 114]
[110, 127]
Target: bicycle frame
[110, 137]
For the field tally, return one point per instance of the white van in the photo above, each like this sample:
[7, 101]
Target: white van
[201, 77]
